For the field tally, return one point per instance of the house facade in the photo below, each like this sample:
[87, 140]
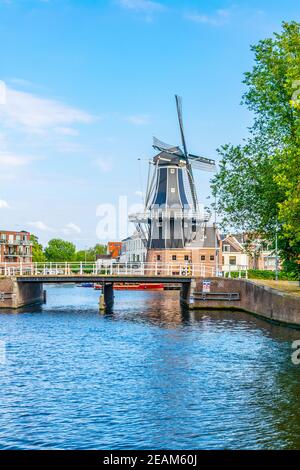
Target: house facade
[238, 252]
[133, 250]
[234, 256]
[15, 247]
[204, 252]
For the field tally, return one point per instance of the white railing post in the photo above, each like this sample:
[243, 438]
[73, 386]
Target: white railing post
[81, 270]
[21, 268]
[229, 272]
[126, 268]
[156, 268]
[5, 271]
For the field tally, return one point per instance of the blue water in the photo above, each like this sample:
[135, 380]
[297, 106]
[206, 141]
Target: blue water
[148, 376]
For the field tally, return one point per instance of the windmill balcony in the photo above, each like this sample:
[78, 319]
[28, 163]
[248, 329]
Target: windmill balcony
[159, 212]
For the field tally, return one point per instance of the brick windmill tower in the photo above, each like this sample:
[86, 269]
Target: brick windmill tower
[172, 221]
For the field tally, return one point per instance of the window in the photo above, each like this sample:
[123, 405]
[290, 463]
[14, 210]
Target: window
[223, 260]
[232, 260]
[158, 257]
[226, 248]
[202, 257]
[211, 257]
[186, 257]
[174, 257]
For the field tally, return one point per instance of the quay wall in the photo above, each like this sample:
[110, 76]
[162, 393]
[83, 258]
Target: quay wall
[260, 300]
[15, 294]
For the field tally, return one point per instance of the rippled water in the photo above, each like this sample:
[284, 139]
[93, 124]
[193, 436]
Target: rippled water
[149, 376]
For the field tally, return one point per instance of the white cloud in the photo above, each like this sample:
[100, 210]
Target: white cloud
[104, 164]
[12, 160]
[20, 82]
[40, 226]
[147, 6]
[67, 230]
[66, 131]
[138, 119]
[218, 18]
[35, 114]
[72, 227]
[4, 204]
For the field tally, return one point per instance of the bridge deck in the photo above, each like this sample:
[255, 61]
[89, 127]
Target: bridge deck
[100, 278]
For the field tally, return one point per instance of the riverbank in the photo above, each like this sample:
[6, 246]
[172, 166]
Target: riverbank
[256, 297]
[286, 287]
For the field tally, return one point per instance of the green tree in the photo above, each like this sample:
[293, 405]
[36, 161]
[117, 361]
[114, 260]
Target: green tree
[38, 255]
[60, 250]
[90, 253]
[258, 186]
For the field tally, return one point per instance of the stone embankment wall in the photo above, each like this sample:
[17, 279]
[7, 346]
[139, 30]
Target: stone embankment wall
[15, 294]
[261, 300]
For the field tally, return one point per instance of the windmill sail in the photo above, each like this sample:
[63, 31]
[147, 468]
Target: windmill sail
[171, 218]
[189, 167]
[202, 163]
[161, 146]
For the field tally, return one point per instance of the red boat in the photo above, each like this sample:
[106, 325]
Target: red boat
[146, 286]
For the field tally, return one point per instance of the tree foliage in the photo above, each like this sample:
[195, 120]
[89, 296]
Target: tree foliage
[38, 255]
[90, 253]
[258, 185]
[60, 250]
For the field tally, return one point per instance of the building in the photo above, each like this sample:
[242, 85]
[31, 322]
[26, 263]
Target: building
[133, 249]
[114, 249]
[239, 251]
[205, 252]
[234, 256]
[15, 247]
[103, 261]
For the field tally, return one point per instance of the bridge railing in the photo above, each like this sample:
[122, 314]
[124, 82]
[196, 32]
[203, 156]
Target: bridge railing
[117, 269]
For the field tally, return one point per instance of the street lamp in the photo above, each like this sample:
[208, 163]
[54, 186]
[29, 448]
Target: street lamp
[276, 250]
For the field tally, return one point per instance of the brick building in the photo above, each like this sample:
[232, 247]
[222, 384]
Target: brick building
[206, 253]
[15, 247]
[114, 249]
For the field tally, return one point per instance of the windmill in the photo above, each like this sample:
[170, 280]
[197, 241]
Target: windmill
[172, 218]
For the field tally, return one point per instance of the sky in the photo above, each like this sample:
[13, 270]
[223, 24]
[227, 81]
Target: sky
[85, 84]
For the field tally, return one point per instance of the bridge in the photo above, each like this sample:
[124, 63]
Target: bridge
[22, 283]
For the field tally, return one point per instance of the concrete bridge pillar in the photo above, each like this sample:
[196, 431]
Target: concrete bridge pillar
[106, 300]
[187, 289]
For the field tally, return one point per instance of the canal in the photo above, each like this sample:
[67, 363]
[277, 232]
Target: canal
[148, 376]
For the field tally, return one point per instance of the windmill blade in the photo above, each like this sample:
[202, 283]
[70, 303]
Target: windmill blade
[160, 145]
[179, 113]
[192, 186]
[202, 163]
